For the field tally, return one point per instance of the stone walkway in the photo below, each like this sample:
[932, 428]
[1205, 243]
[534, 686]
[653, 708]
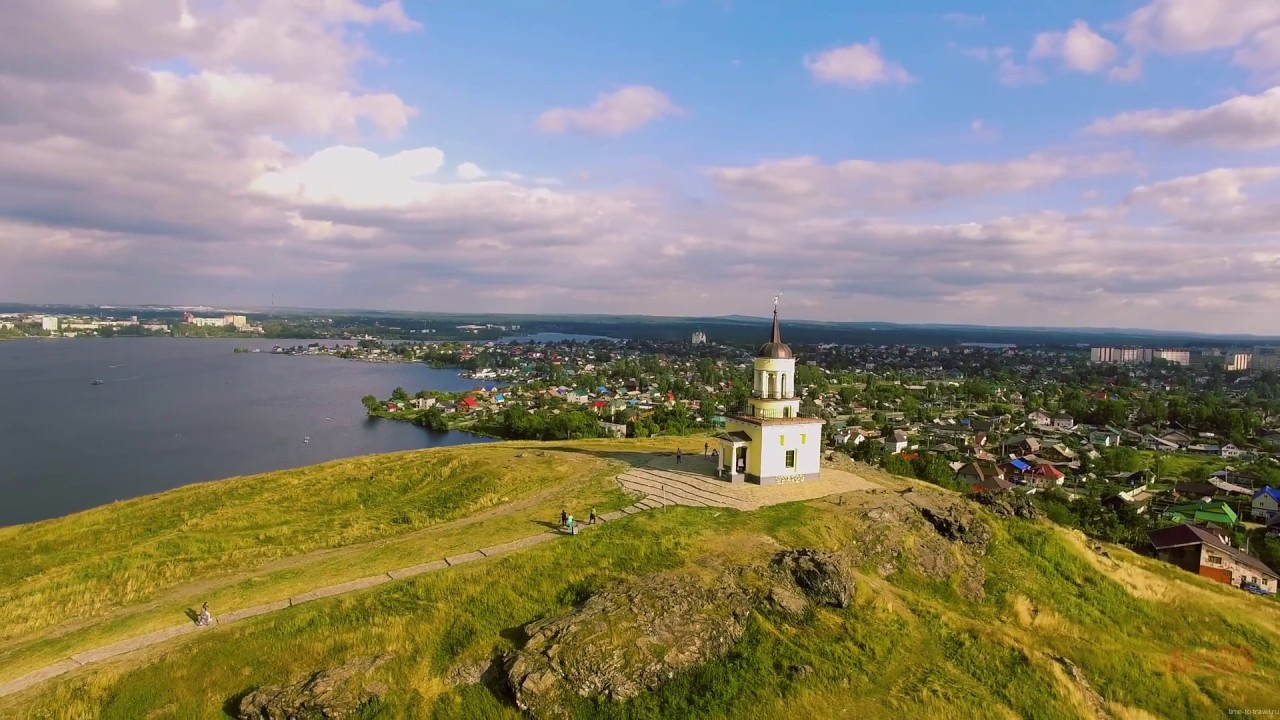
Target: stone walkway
[660, 482]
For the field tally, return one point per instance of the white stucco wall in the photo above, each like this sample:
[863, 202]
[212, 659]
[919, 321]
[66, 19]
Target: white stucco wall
[805, 439]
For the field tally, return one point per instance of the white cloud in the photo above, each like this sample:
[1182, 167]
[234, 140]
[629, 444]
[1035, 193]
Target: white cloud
[1245, 122]
[1252, 27]
[858, 65]
[1079, 48]
[803, 184]
[469, 171]
[1216, 200]
[1009, 72]
[614, 113]
[1187, 26]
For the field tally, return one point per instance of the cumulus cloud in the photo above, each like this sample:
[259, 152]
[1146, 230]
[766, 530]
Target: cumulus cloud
[858, 65]
[469, 171]
[612, 113]
[1245, 122]
[1251, 27]
[171, 154]
[1009, 72]
[1079, 48]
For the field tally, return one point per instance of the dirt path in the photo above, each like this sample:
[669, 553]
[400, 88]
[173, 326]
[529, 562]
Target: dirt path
[660, 481]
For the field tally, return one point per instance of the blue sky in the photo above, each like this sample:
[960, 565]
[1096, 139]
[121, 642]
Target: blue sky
[1078, 163]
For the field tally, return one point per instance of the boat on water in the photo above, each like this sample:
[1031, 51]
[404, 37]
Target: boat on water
[306, 439]
[95, 382]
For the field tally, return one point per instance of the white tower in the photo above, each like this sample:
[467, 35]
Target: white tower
[772, 443]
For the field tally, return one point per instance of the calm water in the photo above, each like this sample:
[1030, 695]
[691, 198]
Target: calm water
[173, 411]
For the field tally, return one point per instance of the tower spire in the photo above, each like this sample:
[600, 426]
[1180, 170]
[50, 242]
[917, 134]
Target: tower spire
[777, 334]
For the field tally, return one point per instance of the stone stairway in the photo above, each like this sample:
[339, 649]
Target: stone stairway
[662, 486]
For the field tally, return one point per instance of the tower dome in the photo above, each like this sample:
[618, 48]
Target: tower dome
[775, 348]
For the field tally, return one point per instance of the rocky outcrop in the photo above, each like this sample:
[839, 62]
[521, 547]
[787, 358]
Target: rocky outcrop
[1007, 505]
[331, 694]
[627, 640]
[953, 518]
[821, 575]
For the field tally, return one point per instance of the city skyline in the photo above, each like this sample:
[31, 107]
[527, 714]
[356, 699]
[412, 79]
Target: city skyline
[1098, 165]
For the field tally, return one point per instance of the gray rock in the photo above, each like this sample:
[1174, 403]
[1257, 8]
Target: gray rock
[821, 575]
[953, 518]
[788, 600]
[331, 694]
[627, 640]
[1008, 505]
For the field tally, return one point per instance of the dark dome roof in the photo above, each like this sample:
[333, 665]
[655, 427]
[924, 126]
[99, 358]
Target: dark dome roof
[775, 348]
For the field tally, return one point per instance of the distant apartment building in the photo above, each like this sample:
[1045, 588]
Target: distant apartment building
[49, 323]
[1265, 358]
[1237, 361]
[1177, 357]
[1138, 355]
[1120, 355]
[238, 322]
[699, 337]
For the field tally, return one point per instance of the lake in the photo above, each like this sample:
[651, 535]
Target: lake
[173, 411]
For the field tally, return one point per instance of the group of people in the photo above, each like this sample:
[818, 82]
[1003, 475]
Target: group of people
[567, 523]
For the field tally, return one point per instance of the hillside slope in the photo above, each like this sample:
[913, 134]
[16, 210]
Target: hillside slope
[950, 612]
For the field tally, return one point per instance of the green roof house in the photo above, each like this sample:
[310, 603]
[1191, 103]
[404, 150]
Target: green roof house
[1215, 512]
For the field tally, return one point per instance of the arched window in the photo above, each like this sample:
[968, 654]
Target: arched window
[773, 385]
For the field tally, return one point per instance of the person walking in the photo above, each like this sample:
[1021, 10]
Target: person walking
[570, 523]
[564, 517]
[592, 518]
[706, 448]
[205, 617]
[679, 454]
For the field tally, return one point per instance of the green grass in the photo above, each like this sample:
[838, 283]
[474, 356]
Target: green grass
[85, 580]
[908, 647]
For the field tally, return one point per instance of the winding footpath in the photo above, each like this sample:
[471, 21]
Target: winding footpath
[659, 484]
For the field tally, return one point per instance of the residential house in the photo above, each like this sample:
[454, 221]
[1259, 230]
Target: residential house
[1266, 504]
[466, 404]
[1195, 490]
[1216, 511]
[1138, 498]
[1063, 421]
[1045, 476]
[1104, 438]
[983, 477]
[1015, 469]
[895, 442]
[1022, 444]
[616, 430]
[1196, 549]
[1151, 442]
[1180, 439]
[423, 403]
[1232, 452]
[1040, 418]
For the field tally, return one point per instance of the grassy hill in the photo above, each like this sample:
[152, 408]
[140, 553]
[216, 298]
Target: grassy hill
[1054, 630]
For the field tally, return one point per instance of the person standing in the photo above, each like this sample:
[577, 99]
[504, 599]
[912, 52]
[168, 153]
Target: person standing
[570, 524]
[706, 448]
[205, 617]
[679, 454]
[564, 517]
[592, 518]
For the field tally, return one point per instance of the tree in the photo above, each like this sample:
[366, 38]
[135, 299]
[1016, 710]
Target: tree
[399, 395]
[370, 402]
